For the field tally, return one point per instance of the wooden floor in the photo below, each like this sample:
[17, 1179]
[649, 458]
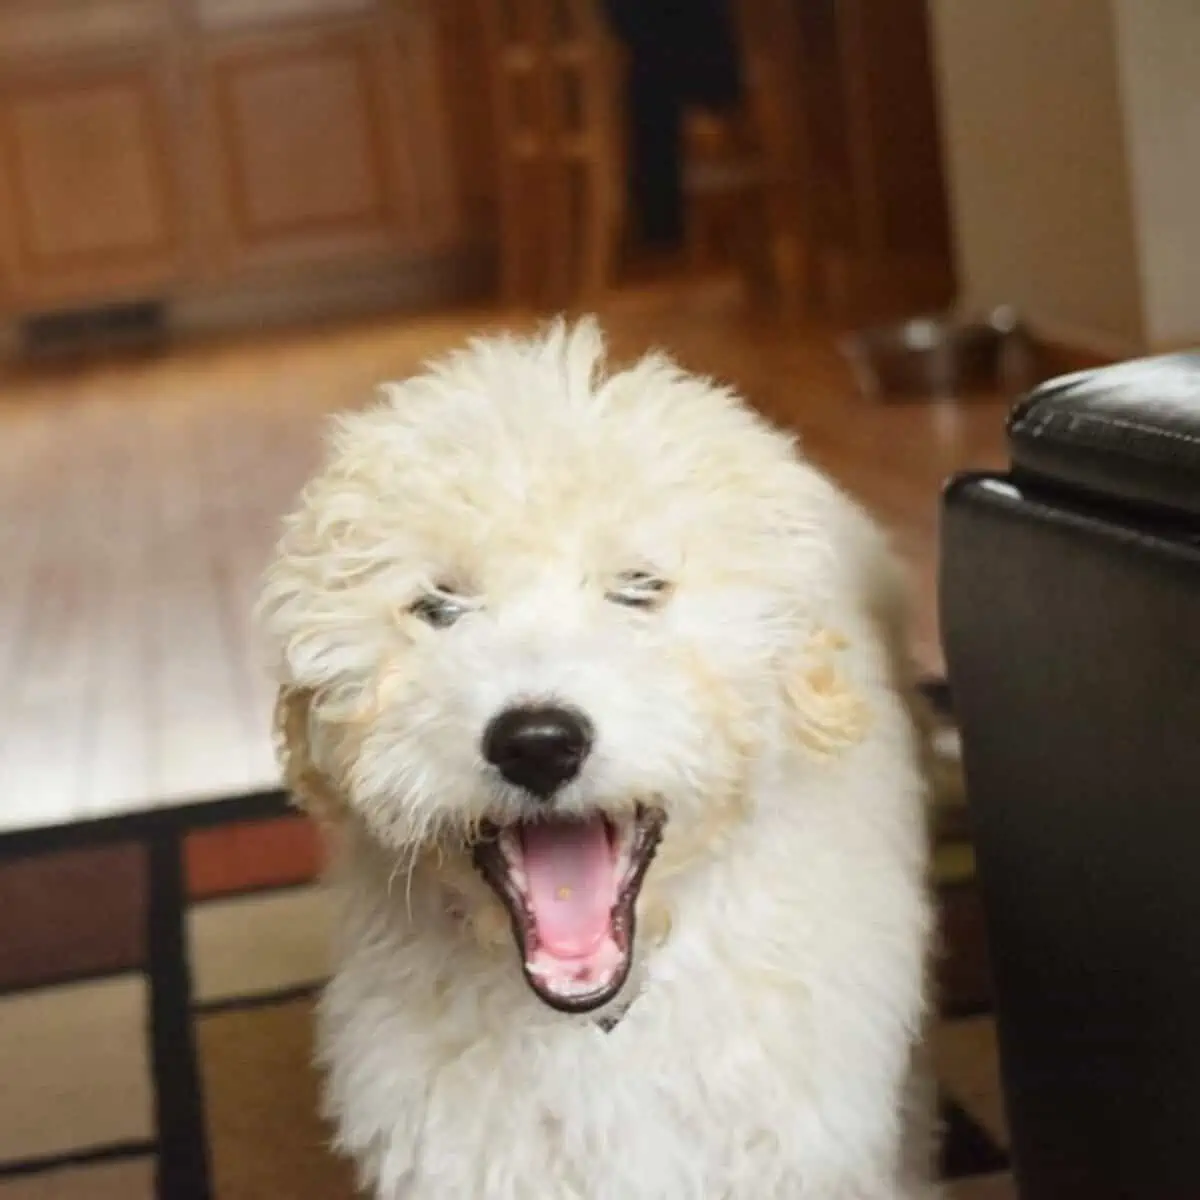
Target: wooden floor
[138, 502]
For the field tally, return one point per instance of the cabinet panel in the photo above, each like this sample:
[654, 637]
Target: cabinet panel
[89, 194]
[300, 131]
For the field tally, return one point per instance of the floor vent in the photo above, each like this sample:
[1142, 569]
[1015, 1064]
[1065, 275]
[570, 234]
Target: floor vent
[137, 326]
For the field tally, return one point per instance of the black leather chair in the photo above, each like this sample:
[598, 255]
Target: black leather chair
[1070, 594]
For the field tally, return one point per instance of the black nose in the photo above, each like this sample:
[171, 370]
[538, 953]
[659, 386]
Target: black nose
[539, 748]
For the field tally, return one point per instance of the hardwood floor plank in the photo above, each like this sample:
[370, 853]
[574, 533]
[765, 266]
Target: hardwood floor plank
[123, 753]
[46, 709]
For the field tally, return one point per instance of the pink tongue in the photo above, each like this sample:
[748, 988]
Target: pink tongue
[569, 866]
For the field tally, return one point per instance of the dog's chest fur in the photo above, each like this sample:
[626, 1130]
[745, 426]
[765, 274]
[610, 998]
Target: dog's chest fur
[729, 1077]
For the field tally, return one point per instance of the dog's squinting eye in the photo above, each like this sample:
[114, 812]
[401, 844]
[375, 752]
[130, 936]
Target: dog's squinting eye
[638, 589]
[439, 609]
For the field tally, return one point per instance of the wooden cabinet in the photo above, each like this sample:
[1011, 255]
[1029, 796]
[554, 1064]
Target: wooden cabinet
[88, 194]
[303, 147]
[328, 143]
[175, 148]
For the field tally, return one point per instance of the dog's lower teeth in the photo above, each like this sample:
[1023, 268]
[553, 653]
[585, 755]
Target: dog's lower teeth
[562, 985]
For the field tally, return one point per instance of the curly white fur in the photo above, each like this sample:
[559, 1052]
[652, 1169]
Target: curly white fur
[771, 1049]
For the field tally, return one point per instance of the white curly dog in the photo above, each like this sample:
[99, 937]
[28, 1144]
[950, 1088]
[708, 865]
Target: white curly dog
[603, 689]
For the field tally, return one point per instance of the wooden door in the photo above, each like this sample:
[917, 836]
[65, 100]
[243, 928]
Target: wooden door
[880, 213]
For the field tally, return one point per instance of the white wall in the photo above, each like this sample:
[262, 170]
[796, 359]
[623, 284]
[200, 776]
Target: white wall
[1158, 48]
[1072, 138]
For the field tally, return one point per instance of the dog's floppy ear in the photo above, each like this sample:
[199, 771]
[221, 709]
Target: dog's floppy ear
[829, 707]
[867, 596]
[828, 713]
[310, 788]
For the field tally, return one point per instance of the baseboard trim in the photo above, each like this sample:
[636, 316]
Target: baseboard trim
[459, 276]
[298, 298]
[1066, 349]
[1057, 358]
[1060, 354]
[10, 341]
[1178, 346]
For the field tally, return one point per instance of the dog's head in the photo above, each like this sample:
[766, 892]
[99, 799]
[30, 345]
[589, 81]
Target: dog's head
[543, 623]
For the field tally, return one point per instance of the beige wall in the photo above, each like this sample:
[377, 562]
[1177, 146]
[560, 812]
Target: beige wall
[1040, 191]
[1072, 138]
[1158, 47]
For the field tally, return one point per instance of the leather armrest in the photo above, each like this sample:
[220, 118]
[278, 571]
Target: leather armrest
[1128, 433]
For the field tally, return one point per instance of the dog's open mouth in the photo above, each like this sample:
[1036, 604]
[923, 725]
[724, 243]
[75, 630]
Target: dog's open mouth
[570, 885]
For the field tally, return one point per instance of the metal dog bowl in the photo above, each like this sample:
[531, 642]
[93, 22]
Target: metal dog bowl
[940, 356]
